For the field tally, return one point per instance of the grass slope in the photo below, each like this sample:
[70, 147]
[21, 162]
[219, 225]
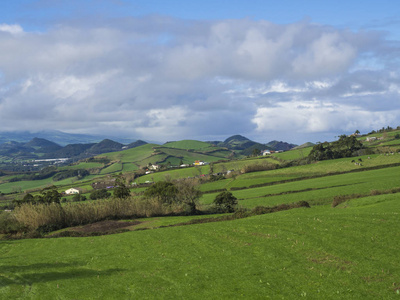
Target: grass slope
[318, 253]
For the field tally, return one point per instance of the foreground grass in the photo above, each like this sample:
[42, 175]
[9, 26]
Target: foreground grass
[348, 252]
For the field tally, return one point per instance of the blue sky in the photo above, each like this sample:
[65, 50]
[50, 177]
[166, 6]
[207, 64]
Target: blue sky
[162, 70]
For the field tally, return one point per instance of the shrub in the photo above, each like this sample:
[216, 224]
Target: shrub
[225, 202]
[264, 166]
[78, 197]
[99, 194]
[375, 192]
[164, 191]
[8, 224]
[42, 218]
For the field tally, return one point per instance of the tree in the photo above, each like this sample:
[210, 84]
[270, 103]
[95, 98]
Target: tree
[256, 152]
[48, 195]
[100, 194]
[225, 202]
[121, 190]
[78, 197]
[189, 194]
[164, 191]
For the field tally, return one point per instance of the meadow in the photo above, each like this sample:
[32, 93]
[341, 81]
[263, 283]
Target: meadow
[347, 252]
[344, 251]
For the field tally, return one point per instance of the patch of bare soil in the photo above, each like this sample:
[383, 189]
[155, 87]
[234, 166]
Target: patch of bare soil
[98, 228]
[107, 226]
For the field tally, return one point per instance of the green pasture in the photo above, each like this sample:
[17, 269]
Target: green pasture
[347, 252]
[131, 155]
[174, 174]
[294, 154]
[116, 167]
[84, 165]
[129, 167]
[316, 190]
[238, 165]
[189, 144]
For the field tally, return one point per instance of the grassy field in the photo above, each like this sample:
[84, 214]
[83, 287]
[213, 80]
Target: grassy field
[345, 252]
[319, 253]
[189, 144]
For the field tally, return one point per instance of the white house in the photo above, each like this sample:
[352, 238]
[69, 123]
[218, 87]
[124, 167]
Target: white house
[266, 152]
[72, 191]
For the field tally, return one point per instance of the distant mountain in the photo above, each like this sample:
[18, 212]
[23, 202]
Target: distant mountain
[14, 149]
[238, 143]
[305, 145]
[247, 146]
[104, 146]
[59, 137]
[276, 145]
[236, 138]
[71, 150]
[42, 145]
[135, 144]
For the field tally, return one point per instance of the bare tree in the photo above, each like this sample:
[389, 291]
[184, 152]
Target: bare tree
[188, 193]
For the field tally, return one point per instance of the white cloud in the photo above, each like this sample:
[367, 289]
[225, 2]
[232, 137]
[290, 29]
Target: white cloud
[319, 116]
[160, 78]
[13, 29]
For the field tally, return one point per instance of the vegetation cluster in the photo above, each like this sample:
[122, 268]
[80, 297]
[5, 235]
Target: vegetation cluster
[346, 146]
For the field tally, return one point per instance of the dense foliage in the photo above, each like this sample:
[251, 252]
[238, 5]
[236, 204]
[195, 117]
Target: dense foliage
[346, 146]
[164, 191]
[99, 194]
[225, 202]
[80, 173]
[46, 196]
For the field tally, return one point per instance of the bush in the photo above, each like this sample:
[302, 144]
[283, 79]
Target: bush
[42, 218]
[100, 194]
[264, 166]
[225, 202]
[78, 197]
[8, 224]
[164, 191]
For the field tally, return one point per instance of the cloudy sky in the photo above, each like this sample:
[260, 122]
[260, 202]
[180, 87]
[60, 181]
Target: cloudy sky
[291, 70]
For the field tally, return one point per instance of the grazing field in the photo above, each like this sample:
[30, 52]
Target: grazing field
[294, 154]
[345, 246]
[189, 144]
[315, 190]
[347, 252]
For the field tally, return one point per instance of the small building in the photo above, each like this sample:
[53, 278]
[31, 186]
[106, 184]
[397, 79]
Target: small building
[266, 152]
[154, 167]
[199, 163]
[371, 139]
[73, 191]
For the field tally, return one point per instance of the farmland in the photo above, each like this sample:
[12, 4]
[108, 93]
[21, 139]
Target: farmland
[317, 253]
[347, 250]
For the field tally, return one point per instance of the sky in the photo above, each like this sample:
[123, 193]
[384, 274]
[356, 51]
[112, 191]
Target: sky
[296, 70]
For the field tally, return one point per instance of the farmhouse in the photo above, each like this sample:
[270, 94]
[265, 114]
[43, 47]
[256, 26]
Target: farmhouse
[370, 139]
[266, 152]
[154, 167]
[199, 163]
[72, 191]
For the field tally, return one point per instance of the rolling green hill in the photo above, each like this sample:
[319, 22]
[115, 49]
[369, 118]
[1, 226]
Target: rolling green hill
[345, 246]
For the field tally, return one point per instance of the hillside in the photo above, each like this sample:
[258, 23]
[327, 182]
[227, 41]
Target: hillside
[103, 147]
[42, 145]
[276, 145]
[292, 253]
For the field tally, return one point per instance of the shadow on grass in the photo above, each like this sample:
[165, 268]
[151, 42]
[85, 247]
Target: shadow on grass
[47, 272]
